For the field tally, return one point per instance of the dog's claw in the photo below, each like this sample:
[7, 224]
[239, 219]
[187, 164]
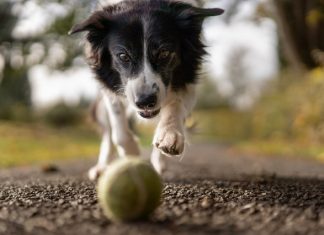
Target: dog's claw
[169, 141]
[95, 172]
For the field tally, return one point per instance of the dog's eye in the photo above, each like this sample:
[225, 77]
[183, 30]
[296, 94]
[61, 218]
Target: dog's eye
[123, 57]
[164, 54]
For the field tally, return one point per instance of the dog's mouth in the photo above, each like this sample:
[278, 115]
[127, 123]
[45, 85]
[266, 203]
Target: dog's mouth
[148, 113]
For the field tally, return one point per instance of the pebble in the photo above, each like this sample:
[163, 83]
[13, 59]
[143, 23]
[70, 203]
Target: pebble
[206, 202]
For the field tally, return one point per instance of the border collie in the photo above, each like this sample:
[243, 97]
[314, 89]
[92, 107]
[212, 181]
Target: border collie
[147, 54]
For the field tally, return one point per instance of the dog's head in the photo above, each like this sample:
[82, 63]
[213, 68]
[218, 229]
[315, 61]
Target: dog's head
[143, 49]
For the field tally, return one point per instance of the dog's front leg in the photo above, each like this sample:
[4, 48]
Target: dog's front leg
[122, 136]
[169, 137]
[157, 160]
[106, 147]
[106, 153]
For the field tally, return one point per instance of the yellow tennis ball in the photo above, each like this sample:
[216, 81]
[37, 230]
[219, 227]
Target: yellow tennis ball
[129, 189]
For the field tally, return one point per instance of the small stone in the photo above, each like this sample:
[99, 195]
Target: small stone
[74, 203]
[311, 214]
[248, 206]
[206, 202]
[49, 168]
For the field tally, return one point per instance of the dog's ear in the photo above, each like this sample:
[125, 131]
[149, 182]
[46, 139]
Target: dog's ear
[97, 21]
[188, 15]
[205, 12]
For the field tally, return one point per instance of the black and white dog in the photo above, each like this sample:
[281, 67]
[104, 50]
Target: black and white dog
[147, 55]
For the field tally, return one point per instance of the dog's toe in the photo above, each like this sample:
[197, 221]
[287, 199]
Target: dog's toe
[170, 142]
[95, 172]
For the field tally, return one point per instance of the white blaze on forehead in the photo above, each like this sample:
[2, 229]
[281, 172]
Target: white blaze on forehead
[150, 77]
[147, 82]
[143, 84]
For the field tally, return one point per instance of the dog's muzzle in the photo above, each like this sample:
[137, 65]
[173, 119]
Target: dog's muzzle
[147, 105]
[148, 113]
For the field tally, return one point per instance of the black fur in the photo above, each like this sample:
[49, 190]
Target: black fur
[164, 25]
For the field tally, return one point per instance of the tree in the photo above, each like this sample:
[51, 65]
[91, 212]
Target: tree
[301, 24]
[15, 52]
[14, 86]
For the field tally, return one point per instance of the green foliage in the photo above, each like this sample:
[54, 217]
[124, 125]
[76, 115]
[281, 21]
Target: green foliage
[309, 118]
[62, 115]
[209, 97]
[15, 89]
[301, 27]
[288, 119]
[17, 113]
[15, 95]
[62, 25]
[32, 143]
[293, 110]
[7, 20]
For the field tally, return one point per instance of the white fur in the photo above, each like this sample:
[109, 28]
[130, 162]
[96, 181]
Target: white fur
[170, 132]
[143, 84]
[169, 138]
[169, 135]
[116, 135]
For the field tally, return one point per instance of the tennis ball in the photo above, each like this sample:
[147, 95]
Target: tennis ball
[129, 189]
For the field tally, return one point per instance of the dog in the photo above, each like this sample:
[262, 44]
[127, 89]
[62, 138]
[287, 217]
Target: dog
[147, 55]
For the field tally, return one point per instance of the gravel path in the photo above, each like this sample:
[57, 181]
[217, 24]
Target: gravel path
[211, 191]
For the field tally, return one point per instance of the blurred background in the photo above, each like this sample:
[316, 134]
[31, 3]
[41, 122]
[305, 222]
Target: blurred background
[260, 92]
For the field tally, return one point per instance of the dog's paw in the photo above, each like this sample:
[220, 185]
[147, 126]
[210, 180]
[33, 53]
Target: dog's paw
[169, 141]
[95, 172]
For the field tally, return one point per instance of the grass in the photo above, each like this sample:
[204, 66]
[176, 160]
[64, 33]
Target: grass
[22, 144]
[30, 143]
[235, 128]
[213, 125]
[281, 148]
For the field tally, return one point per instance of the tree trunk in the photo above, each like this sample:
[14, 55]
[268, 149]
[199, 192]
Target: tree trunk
[301, 24]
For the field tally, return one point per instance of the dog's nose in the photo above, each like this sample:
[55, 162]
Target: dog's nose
[146, 101]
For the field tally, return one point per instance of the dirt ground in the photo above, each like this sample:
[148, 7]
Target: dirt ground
[211, 191]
